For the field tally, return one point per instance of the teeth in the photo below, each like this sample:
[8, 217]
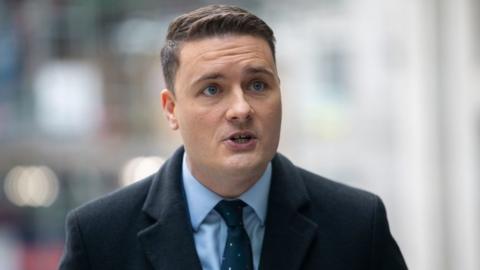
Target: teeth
[241, 137]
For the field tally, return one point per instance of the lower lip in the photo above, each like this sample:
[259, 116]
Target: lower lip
[250, 145]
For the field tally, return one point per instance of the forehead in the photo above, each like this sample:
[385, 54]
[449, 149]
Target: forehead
[226, 50]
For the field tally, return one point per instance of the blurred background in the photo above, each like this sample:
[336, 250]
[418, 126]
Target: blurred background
[379, 94]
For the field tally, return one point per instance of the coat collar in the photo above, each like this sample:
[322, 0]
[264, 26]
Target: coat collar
[287, 228]
[169, 242]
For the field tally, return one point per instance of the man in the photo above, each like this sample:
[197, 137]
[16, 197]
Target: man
[227, 200]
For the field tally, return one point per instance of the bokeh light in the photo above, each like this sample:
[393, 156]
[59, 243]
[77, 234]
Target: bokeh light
[35, 186]
[139, 168]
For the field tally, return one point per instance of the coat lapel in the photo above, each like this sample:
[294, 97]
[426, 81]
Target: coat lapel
[288, 233]
[168, 242]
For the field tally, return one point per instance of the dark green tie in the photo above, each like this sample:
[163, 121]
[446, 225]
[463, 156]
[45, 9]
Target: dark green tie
[238, 252]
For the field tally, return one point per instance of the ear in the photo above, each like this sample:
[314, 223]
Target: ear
[168, 105]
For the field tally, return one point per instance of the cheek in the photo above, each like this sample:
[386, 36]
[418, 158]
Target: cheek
[200, 123]
[272, 125]
[273, 113]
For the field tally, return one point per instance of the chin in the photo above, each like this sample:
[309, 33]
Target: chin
[244, 163]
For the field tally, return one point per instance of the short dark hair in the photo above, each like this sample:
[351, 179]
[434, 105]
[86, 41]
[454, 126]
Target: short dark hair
[209, 21]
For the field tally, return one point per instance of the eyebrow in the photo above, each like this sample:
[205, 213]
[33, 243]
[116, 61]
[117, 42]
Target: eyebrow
[209, 76]
[249, 71]
[261, 70]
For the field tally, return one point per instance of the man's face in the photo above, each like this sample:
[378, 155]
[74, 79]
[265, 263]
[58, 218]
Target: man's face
[227, 104]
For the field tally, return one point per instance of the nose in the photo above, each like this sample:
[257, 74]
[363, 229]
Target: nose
[239, 109]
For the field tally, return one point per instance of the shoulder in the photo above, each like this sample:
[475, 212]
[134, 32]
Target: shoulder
[115, 207]
[336, 193]
[328, 197]
[319, 186]
[105, 226]
[348, 220]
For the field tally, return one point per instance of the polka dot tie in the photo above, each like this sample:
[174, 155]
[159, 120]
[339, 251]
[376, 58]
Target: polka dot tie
[238, 252]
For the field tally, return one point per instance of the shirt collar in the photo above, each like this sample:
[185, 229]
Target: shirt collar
[202, 200]
[257, 196]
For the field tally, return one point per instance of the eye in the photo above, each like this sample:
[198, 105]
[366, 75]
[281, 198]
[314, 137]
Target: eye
[210, 90]
[257, 86]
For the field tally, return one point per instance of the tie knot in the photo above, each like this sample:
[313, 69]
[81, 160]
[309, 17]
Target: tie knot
[231, 212]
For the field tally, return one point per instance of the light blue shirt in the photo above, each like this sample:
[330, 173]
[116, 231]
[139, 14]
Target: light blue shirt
[209, 229]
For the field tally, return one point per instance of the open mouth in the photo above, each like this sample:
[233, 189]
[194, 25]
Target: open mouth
[241, 138]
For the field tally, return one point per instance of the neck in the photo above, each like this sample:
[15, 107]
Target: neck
[227, 185]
